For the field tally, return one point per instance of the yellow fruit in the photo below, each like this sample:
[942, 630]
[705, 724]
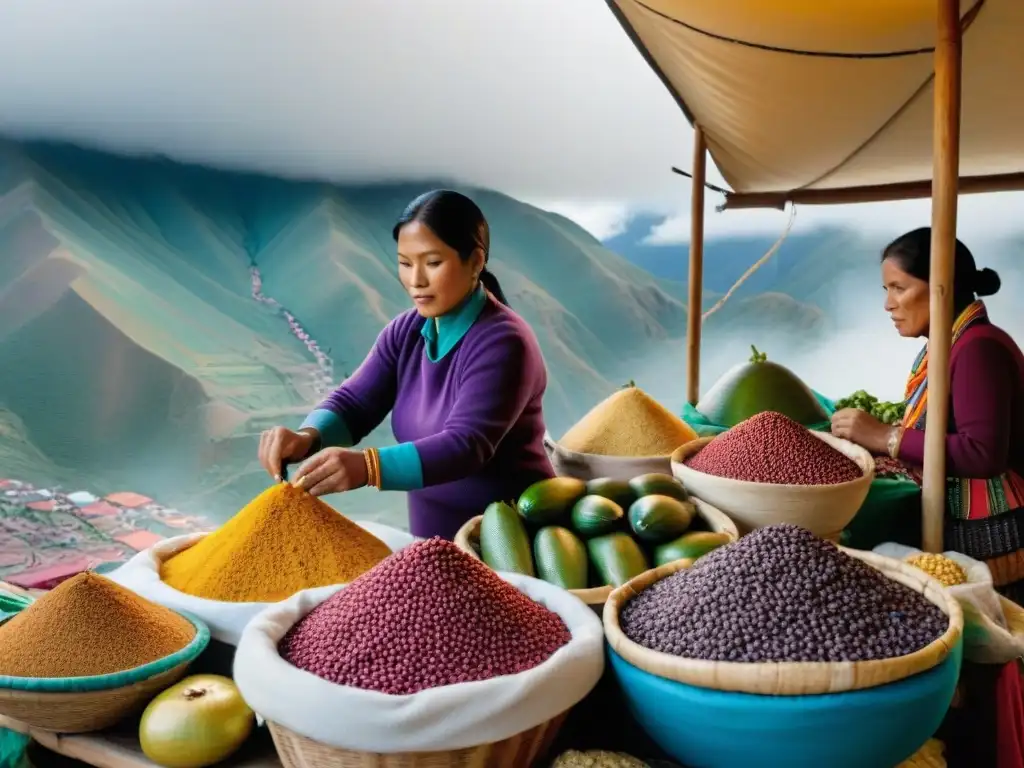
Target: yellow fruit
[195, 723]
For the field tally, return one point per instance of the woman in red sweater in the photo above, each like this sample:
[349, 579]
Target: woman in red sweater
[984, 461]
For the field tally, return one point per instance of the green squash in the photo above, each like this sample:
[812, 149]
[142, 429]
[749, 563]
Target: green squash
[758, 386]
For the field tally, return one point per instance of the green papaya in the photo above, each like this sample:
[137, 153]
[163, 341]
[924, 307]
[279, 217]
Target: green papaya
[595, 516]
[656, 518]
[504, 543]
[618, 491]
[689, 546]
[617, 558]
[561, 557]
[549, 501]
[757, 386]
[658, 483]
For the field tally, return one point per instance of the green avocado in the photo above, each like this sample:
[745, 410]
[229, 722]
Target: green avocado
[617, 558]
[689, 546]
[656, 519]
[595, 516]
[504, 543]
[618, 491]
[658, 484]
[548, 502]
[561, 558]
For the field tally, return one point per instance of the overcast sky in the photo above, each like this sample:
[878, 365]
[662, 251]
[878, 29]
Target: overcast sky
[546, 100]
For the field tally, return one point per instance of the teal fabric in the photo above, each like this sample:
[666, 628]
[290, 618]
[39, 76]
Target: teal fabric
[117, 679]
[828, 405]
[869, 728]
[400, 468]
[706, 428]
[331, 426]
[11, 604]
[441, 335]
[13, 746]
[891, 512]
[700, 423]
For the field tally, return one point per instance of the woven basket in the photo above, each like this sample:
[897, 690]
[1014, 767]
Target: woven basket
[825, 510]
[519, 751]
[84, 704]
[791, 678]
[468, 540]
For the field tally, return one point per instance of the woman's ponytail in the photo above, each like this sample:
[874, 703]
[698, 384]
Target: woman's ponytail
[490, 282]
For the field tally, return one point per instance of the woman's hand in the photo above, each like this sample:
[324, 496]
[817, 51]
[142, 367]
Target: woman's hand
[332, 470]
[862, 428]
[280, 445]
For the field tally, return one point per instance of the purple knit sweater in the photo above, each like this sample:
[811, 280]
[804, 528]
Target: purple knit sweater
[474, 417]
[986, 417]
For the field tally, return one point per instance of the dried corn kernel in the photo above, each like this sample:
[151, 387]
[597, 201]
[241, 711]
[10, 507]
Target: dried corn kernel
[931, 755]
[941, 568]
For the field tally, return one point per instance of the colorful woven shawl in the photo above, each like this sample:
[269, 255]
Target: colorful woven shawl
[966, 498]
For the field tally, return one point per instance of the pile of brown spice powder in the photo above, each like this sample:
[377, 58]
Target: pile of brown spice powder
[89, 625]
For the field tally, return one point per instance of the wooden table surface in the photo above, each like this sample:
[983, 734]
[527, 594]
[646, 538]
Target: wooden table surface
[119, 747]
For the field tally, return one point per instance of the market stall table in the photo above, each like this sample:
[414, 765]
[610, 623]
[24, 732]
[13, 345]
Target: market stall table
[119, 748]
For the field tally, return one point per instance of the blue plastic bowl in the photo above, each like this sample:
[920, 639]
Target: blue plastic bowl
[870, 728]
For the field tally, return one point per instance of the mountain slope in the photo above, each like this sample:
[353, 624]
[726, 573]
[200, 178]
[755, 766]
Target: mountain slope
[157, 316]
[141, 359]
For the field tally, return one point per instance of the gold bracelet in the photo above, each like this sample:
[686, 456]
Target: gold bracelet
[372, 467]
[369, 467]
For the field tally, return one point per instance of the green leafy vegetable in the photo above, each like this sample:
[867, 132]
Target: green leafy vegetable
[887, 413]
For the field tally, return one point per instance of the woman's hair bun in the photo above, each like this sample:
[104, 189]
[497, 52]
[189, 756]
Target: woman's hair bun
[987, 282]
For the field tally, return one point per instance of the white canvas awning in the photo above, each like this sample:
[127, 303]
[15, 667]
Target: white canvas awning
[828, 101]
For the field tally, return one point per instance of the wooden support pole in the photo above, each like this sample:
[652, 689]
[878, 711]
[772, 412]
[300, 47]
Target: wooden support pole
[696, 278]
[946, 174]
[879, 193]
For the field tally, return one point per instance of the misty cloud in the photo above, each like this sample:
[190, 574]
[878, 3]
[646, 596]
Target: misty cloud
[539, 99]
[546, 101]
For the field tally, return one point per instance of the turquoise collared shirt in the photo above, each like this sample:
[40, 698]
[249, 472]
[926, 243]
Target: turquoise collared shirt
[443, 333]
[400, 465]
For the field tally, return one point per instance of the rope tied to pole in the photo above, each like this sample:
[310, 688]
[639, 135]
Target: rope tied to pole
[755, 266]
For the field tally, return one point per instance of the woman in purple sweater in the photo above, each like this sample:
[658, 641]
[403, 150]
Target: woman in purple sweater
[984, 465]
[461, 375]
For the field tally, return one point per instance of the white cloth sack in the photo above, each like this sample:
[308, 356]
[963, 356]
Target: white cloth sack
[987, 639]
[226, 620]
[450, 717]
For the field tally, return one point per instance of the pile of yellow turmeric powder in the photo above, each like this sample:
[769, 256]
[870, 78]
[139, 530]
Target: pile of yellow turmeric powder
[282, 542]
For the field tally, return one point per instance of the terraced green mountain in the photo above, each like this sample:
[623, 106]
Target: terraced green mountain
[136, 355]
